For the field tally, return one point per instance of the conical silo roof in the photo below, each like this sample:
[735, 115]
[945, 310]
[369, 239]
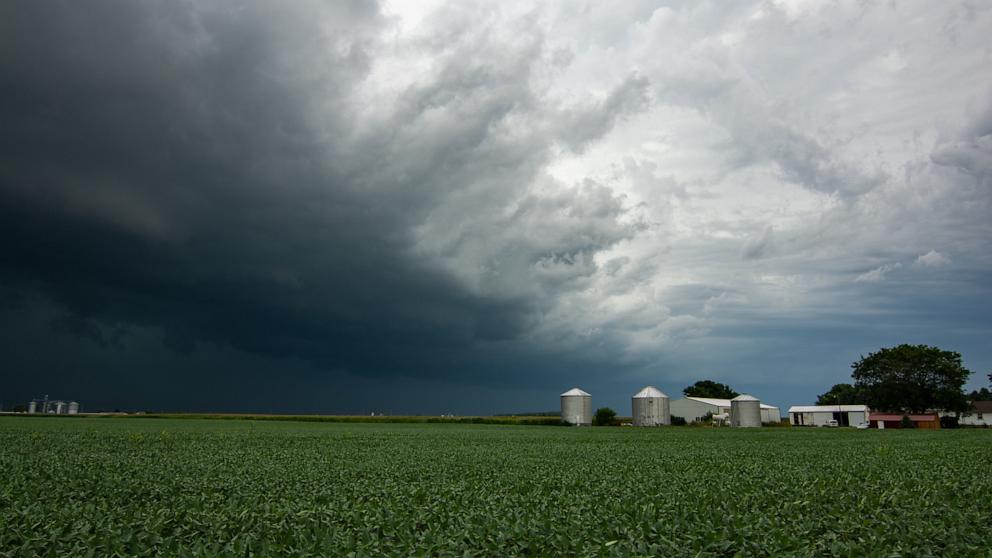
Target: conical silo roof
[745, 397]
[649, 392]
[575, 392]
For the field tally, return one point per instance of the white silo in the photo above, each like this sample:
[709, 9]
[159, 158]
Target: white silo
[73, 408]
[33, 407]
[650, 407]
[576, 407]
[745, 411]
[59, 407]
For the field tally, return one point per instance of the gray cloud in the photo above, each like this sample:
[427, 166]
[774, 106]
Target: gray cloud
[496, 195]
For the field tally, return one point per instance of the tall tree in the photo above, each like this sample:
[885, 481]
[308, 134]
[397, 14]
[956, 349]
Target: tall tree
[841, 394]
[912, 378]
[709, 388]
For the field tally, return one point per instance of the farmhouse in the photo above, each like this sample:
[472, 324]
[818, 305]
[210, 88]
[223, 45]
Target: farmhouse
[828, 415]
[981, 415]
[894, 420]
[695, 408]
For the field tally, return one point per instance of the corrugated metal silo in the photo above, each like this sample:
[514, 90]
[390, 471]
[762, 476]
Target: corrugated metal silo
[745, 411]
[650, 407]
[73, 408]
[33, 407]
[576, 407]
[59, 407]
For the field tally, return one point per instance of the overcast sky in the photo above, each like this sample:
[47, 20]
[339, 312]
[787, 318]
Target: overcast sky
[349, 207]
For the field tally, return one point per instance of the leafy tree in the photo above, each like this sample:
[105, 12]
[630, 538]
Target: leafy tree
[605, 416]
[912, 378]
[711, 389]
[980, 394]
[841, 394]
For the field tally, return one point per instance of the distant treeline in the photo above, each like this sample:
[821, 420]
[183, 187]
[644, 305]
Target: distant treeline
[510, 420]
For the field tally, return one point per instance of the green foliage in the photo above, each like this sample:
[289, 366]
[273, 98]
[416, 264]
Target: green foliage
[110, 487]
[906, 422]
[709, 388]
[980, 395]
[841, 394]
[912, 378]
[678, 421]
[604, 416]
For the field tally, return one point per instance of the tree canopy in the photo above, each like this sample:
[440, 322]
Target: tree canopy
[709, 388]
[912, 378]
[841, 394]
[980, 394]
[604, 416]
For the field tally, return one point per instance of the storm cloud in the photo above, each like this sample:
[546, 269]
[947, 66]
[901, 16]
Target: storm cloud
[295, 204]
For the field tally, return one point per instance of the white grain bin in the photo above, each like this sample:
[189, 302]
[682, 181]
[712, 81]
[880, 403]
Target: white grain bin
[33, 407]
[59, 407]
[650, 407]
[745, 411]
[576, 407]
[73, 408]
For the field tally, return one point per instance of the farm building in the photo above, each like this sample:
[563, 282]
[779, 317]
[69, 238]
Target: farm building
[980, 416]
[894, 420]
[822, 415]
[695, 408]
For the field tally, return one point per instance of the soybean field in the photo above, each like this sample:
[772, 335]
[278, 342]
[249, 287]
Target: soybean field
[161, 487]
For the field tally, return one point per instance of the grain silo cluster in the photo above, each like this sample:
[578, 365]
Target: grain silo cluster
[651, 407]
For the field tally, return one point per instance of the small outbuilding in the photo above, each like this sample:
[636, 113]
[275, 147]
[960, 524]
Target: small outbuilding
[894, 420]
[828, 415]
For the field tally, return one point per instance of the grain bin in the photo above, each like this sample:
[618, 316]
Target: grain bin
[576, 407]
[73, 408]
[33, 407]
[745, 411]
[650, 407]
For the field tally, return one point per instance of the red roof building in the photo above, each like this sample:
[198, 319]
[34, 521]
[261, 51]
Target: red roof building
[894, 420]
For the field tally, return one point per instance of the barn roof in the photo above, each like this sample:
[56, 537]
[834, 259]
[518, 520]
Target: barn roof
[895, 416]
[982, 406]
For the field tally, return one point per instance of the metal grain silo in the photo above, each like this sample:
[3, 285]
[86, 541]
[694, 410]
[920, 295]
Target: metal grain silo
[650, 407]
[33, 407]
[745, 411]
[73, 408]
[576, 407]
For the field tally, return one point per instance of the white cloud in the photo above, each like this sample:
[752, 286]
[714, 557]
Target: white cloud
[877, 274]
[932, 258]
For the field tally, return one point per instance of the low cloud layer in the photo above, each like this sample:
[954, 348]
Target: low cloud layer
[311, 200]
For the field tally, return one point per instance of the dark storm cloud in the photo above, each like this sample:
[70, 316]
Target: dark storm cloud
[205, 169]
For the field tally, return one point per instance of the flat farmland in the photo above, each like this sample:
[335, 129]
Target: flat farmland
[164, 487]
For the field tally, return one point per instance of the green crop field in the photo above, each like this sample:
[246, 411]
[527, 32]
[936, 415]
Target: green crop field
[127, 487]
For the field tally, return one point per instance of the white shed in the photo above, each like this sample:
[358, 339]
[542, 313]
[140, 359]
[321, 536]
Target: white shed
[693, 409]
[821, 415]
